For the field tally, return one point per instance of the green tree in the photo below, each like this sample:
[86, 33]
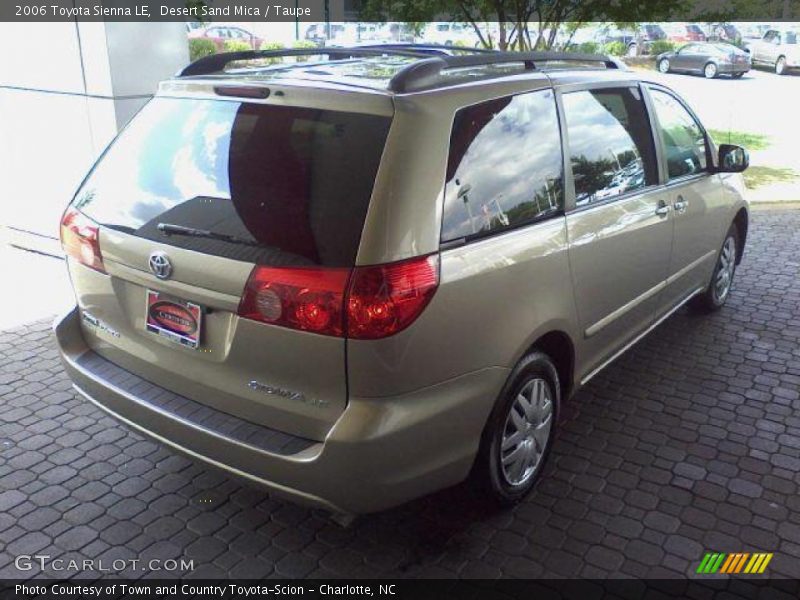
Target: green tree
[521, 24]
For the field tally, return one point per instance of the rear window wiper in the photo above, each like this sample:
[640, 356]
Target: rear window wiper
[171, 229]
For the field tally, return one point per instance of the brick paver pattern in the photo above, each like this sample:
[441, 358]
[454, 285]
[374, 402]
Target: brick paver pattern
[689, 443]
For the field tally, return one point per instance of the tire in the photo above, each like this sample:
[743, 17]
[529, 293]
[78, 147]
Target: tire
[710, 71]
[663, 65]
[780, 66]
[533, 384]
[715, 295]
[632, 50]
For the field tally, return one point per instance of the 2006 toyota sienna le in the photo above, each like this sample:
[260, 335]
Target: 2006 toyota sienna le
[366, 274]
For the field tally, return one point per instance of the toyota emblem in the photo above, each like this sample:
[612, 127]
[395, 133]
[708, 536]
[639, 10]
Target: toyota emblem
[160, 265]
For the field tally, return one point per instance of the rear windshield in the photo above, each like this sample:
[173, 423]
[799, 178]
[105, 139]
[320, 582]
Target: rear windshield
[275, 185]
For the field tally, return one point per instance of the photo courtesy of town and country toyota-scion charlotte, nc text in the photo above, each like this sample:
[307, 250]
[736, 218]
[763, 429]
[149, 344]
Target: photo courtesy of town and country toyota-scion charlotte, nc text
[228, 590]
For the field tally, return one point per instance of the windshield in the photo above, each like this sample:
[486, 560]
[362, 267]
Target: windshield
[293, 183]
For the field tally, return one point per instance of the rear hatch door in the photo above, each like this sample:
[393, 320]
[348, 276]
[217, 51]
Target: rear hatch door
[193, 195]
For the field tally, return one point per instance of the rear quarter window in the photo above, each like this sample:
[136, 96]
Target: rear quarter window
[505, 166]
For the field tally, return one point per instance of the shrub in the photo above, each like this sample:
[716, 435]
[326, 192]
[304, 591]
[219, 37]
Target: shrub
[615, 49]
[659, 46]
[237, 46]
[199, 47]
[303, 44]
[585, 48]
[272, 46]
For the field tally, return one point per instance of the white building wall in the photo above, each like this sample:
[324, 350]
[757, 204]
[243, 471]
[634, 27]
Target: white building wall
[65, 91]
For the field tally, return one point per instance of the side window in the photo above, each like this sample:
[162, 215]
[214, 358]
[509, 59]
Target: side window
[683, 139]
[610, 143]
[504, 167]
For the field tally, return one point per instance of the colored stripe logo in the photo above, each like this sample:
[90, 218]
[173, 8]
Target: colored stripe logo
[737, 562]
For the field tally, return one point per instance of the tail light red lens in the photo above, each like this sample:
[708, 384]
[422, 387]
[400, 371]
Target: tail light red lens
[362, 303]
[80, 239]
[309, 299]
[385, 299]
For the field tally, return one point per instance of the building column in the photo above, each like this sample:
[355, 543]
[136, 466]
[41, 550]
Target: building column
[64, 94]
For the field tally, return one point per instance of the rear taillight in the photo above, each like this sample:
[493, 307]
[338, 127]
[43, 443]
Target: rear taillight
[80, 239]
[362, 303]
[385, 299]
[310, 299]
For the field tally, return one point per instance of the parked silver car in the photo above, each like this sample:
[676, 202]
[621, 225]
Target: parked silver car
[778, 49]
[363, 278]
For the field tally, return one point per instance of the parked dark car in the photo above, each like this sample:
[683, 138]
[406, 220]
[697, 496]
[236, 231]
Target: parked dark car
[707, 58]
[635, 42]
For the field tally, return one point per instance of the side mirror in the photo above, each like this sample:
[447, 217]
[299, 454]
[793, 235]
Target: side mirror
[732, 159]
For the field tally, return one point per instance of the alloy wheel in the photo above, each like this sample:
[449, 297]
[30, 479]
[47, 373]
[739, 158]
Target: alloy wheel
[663, 66]
[710, 71]
[725, 269]
[527, 431]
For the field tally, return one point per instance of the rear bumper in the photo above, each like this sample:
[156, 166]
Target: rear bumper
[380, 453]
[730, 69]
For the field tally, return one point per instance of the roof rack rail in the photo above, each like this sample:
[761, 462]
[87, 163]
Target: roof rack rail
[215, 63]
[427, 73]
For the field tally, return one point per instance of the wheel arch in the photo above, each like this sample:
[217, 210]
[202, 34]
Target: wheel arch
[558, 346]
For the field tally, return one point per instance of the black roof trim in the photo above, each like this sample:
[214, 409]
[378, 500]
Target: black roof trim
[425, 73]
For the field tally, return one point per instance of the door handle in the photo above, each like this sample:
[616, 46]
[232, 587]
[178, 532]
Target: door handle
[663, 209]
[681, 205]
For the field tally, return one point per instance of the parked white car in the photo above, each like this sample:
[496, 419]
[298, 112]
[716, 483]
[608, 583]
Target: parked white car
[778, 49]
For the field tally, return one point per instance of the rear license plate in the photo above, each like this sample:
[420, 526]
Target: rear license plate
[177, 320]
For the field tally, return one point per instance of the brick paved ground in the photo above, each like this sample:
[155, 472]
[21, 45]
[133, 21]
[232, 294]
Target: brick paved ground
[689, 442]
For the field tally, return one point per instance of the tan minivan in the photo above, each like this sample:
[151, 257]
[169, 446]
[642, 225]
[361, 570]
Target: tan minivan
[366, 274]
